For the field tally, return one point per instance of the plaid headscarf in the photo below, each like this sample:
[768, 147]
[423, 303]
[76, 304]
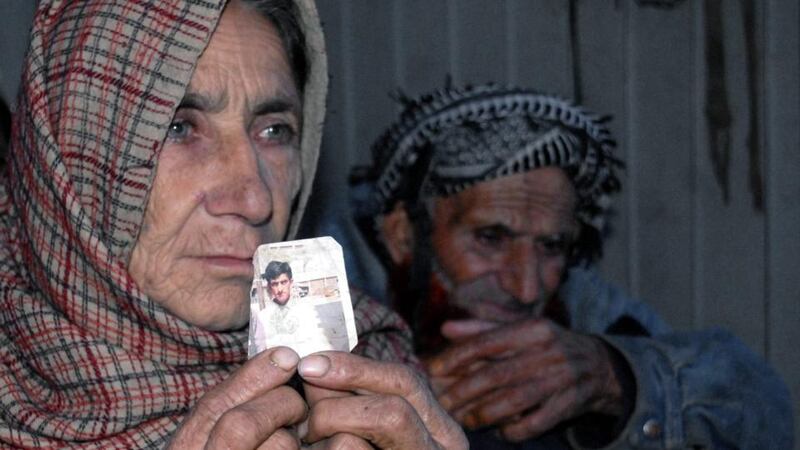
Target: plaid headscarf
[87, 359]
[451, 139]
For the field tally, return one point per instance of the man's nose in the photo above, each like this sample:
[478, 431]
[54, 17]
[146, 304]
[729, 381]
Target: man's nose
[240, 186]
[520, 275]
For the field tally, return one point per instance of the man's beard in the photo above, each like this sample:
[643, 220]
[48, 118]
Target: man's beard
[482, 299]
[430, 301]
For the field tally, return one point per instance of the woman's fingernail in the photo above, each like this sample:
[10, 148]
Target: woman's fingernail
[314, 366]
[284, 358]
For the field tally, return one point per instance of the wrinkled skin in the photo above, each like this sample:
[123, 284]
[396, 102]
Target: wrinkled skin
[353, 403]
[524, 377]
[501, 250]
[226, 178]
[393, 408]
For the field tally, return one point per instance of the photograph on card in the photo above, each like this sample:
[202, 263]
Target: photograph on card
[300, 298]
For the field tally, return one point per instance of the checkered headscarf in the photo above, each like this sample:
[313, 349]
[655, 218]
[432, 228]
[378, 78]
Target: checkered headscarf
[87, 359]
[449, 140]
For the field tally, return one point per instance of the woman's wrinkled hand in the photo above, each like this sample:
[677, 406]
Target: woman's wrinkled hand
[360, 403]
[251, 409]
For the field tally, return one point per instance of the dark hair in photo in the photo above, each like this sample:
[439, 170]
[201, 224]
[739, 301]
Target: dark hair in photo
[275, 269]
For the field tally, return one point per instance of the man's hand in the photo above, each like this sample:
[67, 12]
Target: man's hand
[360, 403]
[250, 409]
[525, 377]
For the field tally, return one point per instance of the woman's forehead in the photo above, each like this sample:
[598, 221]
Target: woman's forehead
[245, 63]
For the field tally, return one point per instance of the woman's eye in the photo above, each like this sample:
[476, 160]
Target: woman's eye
[179, 130]
[279, 133]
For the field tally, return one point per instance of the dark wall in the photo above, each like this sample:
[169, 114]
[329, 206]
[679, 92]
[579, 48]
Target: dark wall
[15, 21]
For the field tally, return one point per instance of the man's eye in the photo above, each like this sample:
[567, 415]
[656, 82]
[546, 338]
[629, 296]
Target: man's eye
[279, 133]
[491, 236]
[179, 130]
[554, 246]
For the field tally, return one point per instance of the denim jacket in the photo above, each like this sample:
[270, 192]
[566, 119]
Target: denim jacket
[699, 389]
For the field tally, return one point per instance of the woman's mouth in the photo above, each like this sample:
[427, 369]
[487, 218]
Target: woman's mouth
[229, 263]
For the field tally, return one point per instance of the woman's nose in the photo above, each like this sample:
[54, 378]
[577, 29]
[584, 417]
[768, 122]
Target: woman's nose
[240, 187]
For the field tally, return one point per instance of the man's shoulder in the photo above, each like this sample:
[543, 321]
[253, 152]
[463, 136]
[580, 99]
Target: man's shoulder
[585, 283]
[594, 303]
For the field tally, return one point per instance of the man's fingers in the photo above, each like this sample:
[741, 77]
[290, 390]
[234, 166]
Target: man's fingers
[507, 404]
[491, 344]
[461, 329]
[440, 384]
[522, 368]
[252, 423]
[387, 421]
[548, 415]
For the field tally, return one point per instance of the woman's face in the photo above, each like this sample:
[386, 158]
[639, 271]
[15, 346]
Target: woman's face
[227, 176]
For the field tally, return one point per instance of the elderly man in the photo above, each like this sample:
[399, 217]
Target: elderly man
[156, 145]
[483, 202]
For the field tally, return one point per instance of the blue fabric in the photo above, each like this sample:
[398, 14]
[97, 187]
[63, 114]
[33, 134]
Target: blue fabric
[703, 389]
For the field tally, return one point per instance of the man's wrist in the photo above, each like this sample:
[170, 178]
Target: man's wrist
[620, 386]
[626, 381]
[615, 405]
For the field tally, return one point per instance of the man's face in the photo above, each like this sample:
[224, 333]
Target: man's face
[226, 178]
[501, 246]
[280, 289]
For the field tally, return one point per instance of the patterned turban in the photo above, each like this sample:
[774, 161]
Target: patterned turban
[449, 140]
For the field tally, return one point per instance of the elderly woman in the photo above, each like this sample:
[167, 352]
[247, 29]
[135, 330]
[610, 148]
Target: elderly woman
[156, 145]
